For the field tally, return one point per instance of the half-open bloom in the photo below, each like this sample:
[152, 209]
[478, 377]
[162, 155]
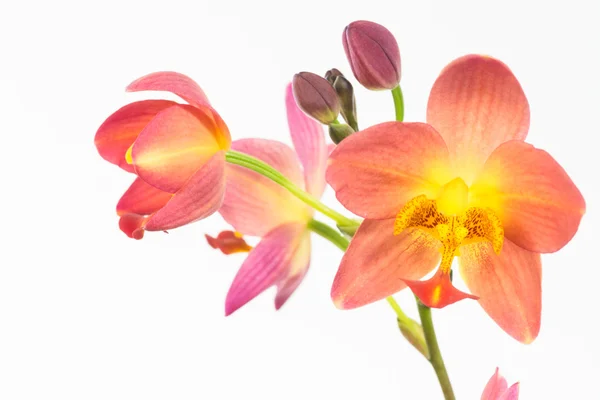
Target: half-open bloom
[465, 184]
[176, 150]
[497, 389]
[256, 206]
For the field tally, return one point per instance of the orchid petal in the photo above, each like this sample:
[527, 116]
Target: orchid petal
[508, 286]
[476, 104]
[512, 393]
[174, 82]
[176, 144]
[539, 205]
[254, 204]
[132, 225]
[200, 197]
[374, 172]
[309, 142]
[377, 262]
[495, 387]
[142, 199]
[229, 242]
[118, 132]
[267, 264]
[296, 272]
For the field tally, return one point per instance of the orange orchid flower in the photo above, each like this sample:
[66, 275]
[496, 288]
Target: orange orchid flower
[465, 184]
[176, 150]
[256, 206]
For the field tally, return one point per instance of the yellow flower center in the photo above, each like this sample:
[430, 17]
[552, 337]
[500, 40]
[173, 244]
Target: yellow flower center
[450, 220]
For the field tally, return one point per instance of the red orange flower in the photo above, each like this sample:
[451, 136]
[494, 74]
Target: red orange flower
[176, 150]
[256, 206]
[465, 184]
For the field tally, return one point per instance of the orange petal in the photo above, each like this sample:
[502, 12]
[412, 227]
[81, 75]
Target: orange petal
[176, 144]
[377, 262]
[200, 197]
[538, 204]
[375, 171]
[118, 132]
[476, 104]
[132, 225]
[174, 82]
[438, 291]
[253, 204]
[229, 242]
[142, 199]
[509, 286]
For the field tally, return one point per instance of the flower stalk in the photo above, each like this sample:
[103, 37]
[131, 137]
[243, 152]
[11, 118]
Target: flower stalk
[254, 164]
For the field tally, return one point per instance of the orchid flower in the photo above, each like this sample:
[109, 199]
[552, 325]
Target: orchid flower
[497, 389]
[176, 150]
[256, 206]
[465, 184]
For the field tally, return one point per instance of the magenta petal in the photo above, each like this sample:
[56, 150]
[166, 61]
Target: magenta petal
[512, 393]
[201, 196]
[174, 82]
[309, 141]
[296, 272]
[267, 264]
[142, 199]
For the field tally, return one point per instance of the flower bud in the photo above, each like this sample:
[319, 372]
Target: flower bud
[345, 92]
[373, 54]
[339, 132]
[413, 332]
[332, 74]
[316, 97]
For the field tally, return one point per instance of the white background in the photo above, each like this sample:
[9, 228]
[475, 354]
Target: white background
[86, 313]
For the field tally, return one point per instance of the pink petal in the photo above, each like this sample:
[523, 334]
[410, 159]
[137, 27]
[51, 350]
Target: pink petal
[176, 144]
[174, 82]
[309, 141]
[298, 268]
[509, 286]
[142, 199]
[374, 172]
[118, 132]
[476, 104]
[267, 264]
[538, 204]
[253, 204]
[377, 262]
[200, 197]
[495, 387]
[512, 393]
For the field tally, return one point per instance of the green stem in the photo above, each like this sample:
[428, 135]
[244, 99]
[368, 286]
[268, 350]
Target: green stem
[402, 317]
[329, 233]
[435, 356]
[398, 103]
[244, 160]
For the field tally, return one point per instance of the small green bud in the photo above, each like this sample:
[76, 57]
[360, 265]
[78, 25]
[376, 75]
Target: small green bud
[345, 92]
[338, 132]
[413, 332]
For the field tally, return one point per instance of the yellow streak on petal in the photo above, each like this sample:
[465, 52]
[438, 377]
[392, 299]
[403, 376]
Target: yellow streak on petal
[128, 157]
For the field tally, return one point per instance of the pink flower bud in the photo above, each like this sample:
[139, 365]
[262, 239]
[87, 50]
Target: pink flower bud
[373, 54]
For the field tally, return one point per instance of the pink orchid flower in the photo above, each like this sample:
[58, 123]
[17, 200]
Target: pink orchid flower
[256, 206]
[497, 389]
[176, 150]
[466, 185]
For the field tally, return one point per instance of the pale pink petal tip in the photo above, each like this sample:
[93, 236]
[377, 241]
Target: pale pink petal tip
[174, 82]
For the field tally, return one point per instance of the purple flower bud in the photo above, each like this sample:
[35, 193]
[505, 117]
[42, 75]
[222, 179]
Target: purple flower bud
[316, 97]
[373, 54]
